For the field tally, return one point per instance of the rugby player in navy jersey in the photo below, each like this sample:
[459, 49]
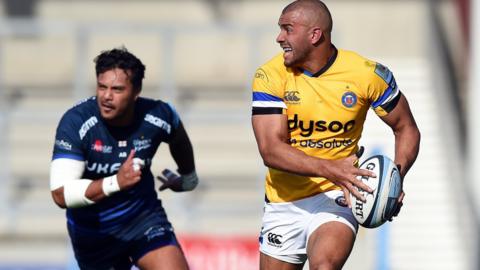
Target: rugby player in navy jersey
[100, 171]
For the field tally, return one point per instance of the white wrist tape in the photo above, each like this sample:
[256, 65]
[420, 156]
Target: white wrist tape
[74, 193]
[189, 181]
[110, 185]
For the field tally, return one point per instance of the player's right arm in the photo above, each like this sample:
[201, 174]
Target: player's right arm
[69, 190]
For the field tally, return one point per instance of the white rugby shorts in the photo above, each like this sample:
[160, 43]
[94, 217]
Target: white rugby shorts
[288, 225]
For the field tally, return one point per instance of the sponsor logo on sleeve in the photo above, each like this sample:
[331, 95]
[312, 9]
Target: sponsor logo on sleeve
[86, 126]
[156, 121]
[63, 145]
[383, 72]
[261, 74]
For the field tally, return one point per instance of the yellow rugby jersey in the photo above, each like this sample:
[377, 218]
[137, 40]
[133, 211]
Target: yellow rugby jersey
[326, 112]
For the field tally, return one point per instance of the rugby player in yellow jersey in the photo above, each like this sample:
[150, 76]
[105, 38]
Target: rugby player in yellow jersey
[309, 107]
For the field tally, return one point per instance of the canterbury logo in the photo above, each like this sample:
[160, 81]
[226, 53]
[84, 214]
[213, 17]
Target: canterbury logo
[273, 238]
[291, 96]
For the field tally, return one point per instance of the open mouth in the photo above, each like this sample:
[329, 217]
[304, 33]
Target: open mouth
[287, 52]
[107, 107]
[286, 48]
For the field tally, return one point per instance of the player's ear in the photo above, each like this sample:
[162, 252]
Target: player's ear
[317, 36]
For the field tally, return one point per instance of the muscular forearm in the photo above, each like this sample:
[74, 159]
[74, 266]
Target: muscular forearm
[182, 151]
[271, 133]
[407, 135]
[183, 156]
[95, 191]
[342, 172]
[407, 144]
[92, 194]
[286, 158]
[69, 190]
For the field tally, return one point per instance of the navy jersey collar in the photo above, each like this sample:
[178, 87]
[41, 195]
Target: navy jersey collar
[329, 63]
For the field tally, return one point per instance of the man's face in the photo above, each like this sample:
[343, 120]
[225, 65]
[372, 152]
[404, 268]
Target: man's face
[293, 38]
[115, 96]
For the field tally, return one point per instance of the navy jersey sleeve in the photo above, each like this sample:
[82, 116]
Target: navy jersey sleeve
[173, 119]
[68, 143]
[163, 116]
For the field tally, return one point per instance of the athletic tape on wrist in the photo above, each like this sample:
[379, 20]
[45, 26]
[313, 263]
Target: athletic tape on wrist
[74, 193]
[110, 185]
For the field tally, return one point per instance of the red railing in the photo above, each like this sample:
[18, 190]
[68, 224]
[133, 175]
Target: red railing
[217, 252]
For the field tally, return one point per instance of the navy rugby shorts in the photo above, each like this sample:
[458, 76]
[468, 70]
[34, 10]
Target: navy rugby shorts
[124, 246]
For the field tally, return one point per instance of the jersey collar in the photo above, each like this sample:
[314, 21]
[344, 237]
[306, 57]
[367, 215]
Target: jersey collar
[329, 63]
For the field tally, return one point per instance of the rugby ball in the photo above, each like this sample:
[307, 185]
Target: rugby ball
[381, 204]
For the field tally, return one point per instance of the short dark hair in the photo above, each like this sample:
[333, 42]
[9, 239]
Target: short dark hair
[121, 58]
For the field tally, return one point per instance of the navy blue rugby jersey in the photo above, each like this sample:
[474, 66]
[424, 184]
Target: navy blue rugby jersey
[83, 135]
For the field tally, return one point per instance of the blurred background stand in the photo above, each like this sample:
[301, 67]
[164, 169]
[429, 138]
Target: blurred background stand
[201, 56]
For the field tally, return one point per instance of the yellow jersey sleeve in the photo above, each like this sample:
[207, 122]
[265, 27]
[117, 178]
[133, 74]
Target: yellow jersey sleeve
[268, 88]
[382, 90]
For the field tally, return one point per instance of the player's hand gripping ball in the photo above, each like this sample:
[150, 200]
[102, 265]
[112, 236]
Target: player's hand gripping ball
[382, 204]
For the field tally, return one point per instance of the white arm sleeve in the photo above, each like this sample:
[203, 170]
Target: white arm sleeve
[63, 170]
[67, 172]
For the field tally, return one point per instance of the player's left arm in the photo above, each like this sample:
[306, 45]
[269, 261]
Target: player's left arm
[182, 152]
[407, 135]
